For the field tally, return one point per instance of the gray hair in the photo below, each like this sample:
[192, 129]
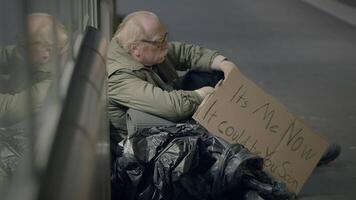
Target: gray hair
[130, 30]
[43, 27]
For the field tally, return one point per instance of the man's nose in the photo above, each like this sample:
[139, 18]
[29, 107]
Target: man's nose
[48, 50]
[47, 53]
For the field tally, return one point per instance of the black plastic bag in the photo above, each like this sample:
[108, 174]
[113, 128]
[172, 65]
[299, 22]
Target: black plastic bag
[13, 145]
[185, 162]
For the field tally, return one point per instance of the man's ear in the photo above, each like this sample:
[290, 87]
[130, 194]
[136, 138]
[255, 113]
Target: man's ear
[135, 50]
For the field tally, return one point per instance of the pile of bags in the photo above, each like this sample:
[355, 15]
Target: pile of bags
[184, 162]
[13, 143]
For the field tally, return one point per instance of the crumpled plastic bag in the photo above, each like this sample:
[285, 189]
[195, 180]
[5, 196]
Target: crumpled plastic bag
[13, 144]
[185, 162]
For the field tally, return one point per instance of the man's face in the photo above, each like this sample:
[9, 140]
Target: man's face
[154, 51]
[40, 53]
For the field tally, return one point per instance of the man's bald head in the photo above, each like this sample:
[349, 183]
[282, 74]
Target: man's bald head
[43, 28]
[43, 32]
[137, 26]
[40, 28]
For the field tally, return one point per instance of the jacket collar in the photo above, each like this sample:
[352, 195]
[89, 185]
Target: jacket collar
[118, 58]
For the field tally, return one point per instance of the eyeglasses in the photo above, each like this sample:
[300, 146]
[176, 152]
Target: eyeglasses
[158, 43]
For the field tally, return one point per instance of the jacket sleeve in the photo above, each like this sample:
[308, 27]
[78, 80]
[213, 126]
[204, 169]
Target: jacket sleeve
[13, 107]
[187, 56]
[128, 90]
[5, 54]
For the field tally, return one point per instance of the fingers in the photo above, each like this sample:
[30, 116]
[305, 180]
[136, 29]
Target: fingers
[205, 91]
[227, 67]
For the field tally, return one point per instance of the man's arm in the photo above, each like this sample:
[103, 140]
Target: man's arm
[187, 56]
[13, 107]
[128, 90]
[5, 54]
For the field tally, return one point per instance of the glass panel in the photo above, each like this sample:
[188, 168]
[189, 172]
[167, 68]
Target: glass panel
[37, 56]
[35, 48]
[14, 95]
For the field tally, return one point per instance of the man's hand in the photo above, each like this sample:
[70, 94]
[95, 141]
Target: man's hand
[226, 67]
[204, 91]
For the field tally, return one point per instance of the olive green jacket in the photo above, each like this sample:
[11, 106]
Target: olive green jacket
[14, 90]
[133, 85]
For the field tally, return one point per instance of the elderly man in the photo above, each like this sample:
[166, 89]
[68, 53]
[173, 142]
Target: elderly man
[142, 73]
[39, 50]
[142, 68]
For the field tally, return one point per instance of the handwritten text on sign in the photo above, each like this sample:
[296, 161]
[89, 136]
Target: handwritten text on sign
[240, 112]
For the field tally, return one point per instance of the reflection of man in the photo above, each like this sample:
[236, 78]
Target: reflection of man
[15, 88]
[38, 49]
[142, 72]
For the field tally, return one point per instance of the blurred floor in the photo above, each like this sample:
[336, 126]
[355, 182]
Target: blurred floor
[301, 55]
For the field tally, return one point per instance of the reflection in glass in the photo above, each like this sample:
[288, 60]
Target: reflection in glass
[26, 74]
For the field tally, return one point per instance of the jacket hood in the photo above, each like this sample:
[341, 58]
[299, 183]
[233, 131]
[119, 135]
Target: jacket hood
[118, 58]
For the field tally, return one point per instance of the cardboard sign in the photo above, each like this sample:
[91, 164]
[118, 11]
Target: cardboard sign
[240, 112]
